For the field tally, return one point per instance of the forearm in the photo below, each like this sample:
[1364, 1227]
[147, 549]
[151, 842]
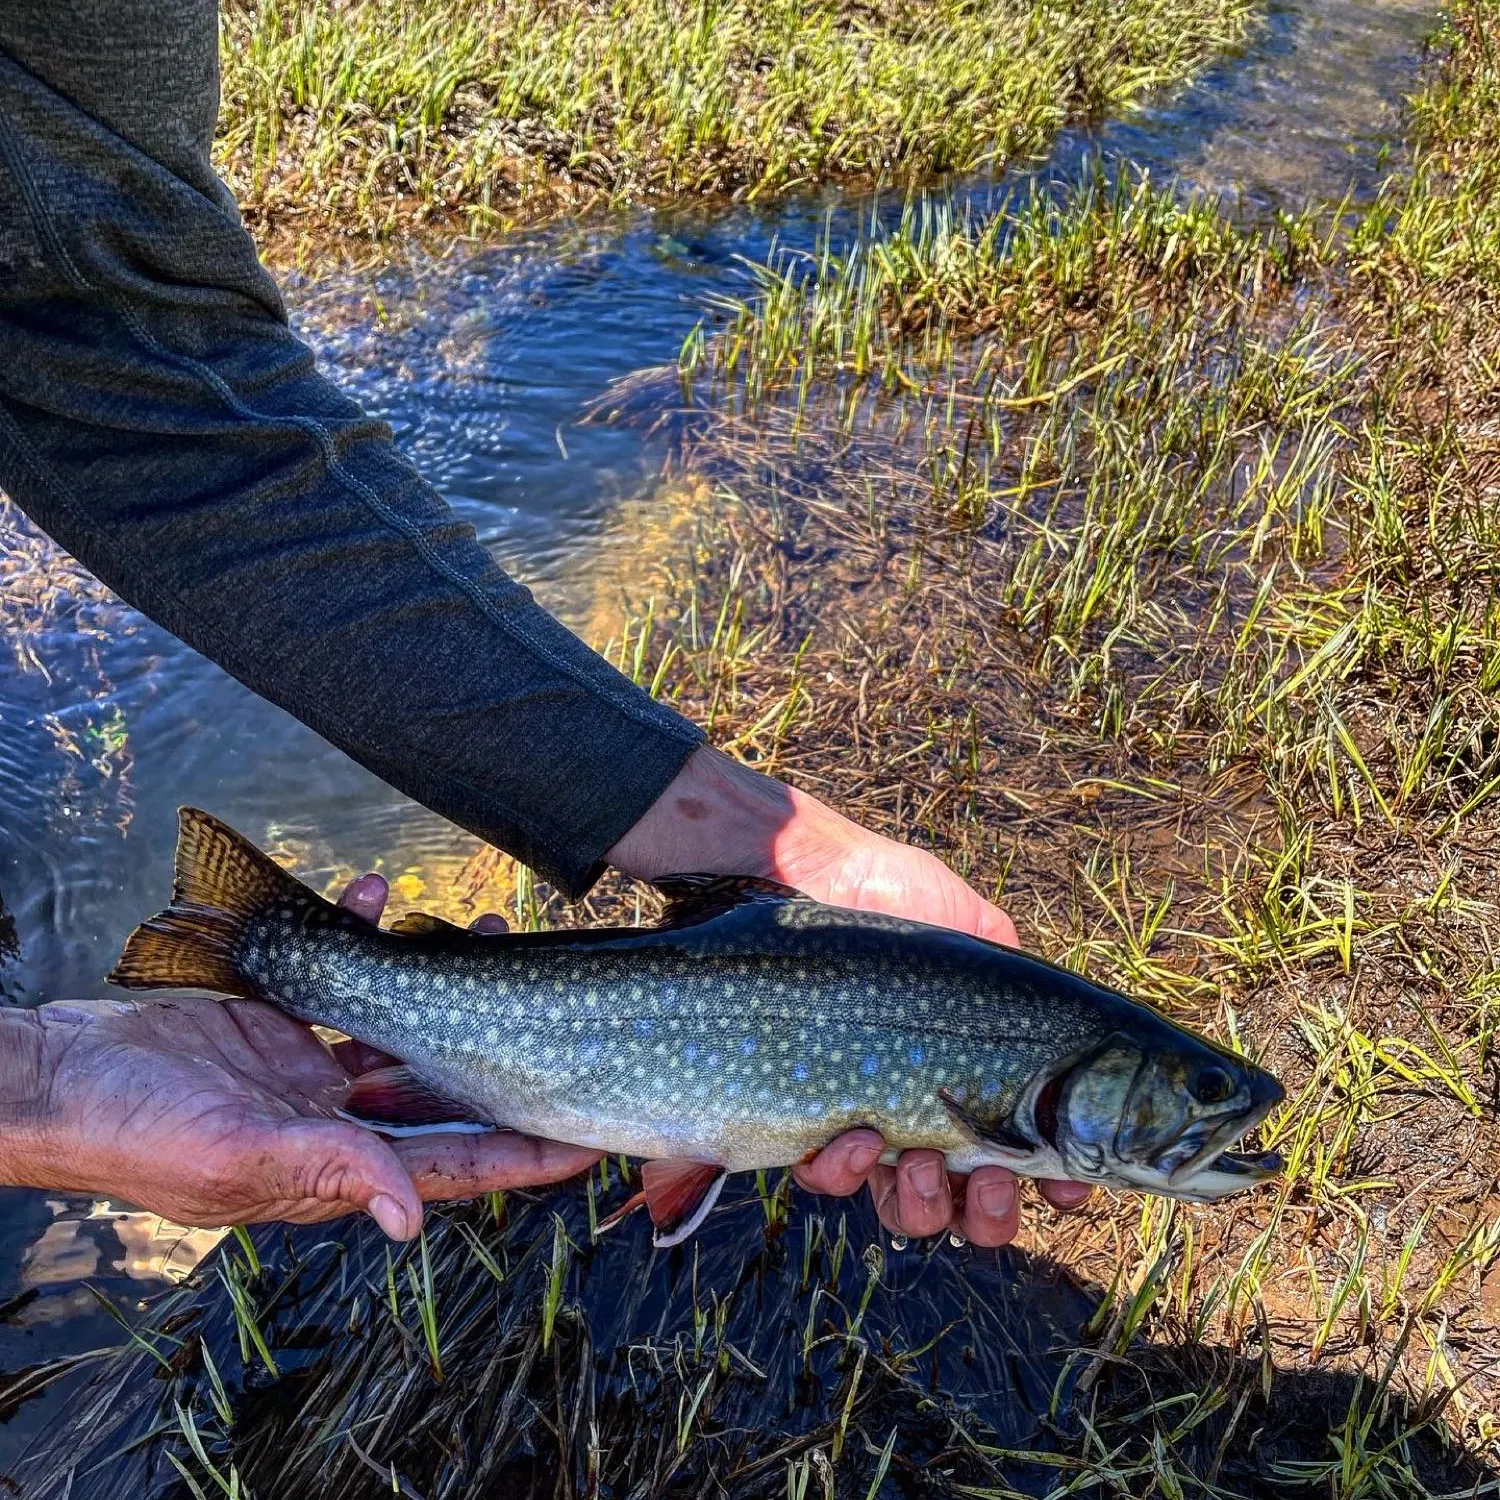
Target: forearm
[158, 419]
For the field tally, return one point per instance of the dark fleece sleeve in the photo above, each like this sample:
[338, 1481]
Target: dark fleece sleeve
[160, 421]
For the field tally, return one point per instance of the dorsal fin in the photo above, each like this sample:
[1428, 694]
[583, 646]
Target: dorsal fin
[421, 924]
[692, 899]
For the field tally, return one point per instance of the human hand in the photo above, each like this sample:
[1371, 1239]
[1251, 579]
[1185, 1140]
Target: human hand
[224, 1112]
[722, 817]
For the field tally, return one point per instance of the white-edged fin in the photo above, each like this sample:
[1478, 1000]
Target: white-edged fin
[395, 1096]
[677, 1193]
[401, 1132]
[668, 1235]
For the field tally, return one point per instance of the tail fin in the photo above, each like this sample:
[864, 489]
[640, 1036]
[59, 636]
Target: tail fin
[221, 881]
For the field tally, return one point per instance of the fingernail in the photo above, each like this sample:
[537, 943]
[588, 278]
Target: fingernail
[390, 1216]
[927, 1178]
[489, 925]
[862, 1158]
[997, 1198]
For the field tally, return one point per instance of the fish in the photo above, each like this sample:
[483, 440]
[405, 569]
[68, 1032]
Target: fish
[744, 1031]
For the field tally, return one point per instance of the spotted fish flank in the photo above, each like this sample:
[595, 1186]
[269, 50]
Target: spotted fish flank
[748, 1029]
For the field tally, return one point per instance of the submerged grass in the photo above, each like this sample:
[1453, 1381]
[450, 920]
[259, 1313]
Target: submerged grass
[1145, 566]
[371, 115]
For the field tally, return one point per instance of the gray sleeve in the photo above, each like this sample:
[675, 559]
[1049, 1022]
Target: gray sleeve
[158, 418]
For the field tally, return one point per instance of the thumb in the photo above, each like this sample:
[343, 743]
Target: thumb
[993, 924]
[339, 1166]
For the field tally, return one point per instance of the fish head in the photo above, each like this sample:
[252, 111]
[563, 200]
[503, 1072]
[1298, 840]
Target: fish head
[1157, 1113]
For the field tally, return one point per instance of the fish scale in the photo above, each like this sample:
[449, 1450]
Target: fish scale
[768, 1043]
[745, 1032]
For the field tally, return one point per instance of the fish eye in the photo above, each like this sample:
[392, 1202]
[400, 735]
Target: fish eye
[1213, 1085]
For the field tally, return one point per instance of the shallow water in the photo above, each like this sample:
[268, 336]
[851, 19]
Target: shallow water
[484, 362]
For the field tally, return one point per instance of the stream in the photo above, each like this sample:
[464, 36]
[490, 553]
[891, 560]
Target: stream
[484, 361]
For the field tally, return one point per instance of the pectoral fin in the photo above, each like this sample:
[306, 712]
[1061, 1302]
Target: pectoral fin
[998, 1132]
[677, 1195]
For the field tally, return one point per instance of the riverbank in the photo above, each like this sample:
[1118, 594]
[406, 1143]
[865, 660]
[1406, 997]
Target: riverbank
[1144, 567]
[380, 117]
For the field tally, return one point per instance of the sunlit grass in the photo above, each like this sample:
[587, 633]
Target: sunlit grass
[369, 115]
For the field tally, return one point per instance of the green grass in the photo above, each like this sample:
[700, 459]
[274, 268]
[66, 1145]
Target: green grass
[1147, 567]
[1149, 575]
[369, 116]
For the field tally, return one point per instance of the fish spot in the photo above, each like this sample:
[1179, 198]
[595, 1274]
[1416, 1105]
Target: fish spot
[492, 1035]
[814, 1107]
[589, 1051]
[732, 1089]
[411, 1017]
[747, 1047]
[689, 1051]
[799, 1072]
[893, 1101]
[916, 1055]
[645, 1026]
[870, 1066]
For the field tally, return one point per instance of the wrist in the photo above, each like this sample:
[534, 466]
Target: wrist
[721, 816]
[25, 1074]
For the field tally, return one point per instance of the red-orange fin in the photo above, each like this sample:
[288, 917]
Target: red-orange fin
[396, 1097]
[635, 1201]
[679, 1195]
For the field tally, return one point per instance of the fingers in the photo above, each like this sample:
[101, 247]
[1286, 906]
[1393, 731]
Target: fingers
[923, 1200]
[1066, 1195]
[366, 897]
[843, 1165]
[918, 1197]
[327, 1167]
[444, 1167]
[990, 1212]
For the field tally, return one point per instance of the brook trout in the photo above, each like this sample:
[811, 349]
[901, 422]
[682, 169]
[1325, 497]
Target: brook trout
[745, 1031]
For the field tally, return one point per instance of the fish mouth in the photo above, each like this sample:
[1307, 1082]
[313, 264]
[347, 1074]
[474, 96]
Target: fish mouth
[1240, 1167]
[1250, 1166]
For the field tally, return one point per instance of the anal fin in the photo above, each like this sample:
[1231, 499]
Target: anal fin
[677, 1194]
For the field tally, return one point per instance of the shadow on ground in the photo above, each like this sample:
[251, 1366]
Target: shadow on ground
[788, 1351]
